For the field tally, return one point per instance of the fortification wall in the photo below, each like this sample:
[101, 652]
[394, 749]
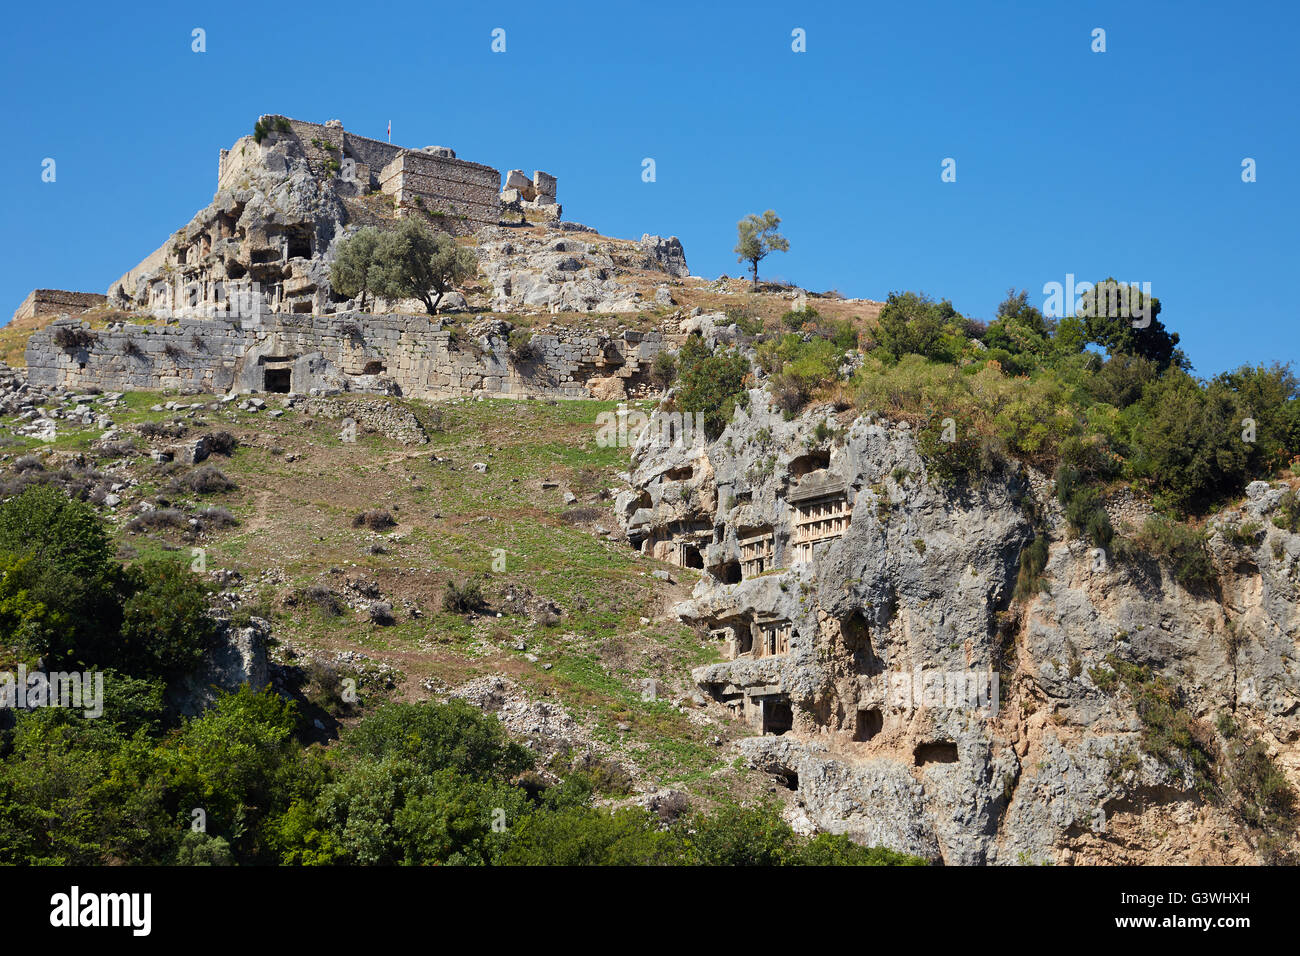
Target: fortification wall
[232, 163]
[46, 301]
[406, 354]
[444, 185]
[127, 282]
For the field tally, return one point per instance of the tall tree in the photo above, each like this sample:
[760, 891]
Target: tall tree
[757, 236]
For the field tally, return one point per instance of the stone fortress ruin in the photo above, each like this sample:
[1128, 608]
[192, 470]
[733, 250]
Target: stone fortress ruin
[241, 295]
[288, 191]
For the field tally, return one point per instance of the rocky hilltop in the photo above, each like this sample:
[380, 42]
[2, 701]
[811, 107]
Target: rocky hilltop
[964, 590]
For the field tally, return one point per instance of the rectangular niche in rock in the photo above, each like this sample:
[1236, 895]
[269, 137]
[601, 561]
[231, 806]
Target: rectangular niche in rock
[821, 513]
[757, 551]
[775, 639]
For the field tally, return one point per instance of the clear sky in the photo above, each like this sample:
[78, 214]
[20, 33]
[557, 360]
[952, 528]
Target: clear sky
[1124, 163]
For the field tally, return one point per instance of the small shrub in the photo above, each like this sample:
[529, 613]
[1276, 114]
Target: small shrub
[322, 598]
[1286, 515]
[522, 347]
[375, 519]
[161, 429]
[663, 371]
[1180, 547]
[796, 319]
[1084, 508]
[71, 339]
[158, 519]
[1033, 561]
[464, 598]
[205, 480]
[214, 518]
[222, 443]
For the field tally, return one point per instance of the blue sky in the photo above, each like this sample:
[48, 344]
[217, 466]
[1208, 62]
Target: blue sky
[1124, 163]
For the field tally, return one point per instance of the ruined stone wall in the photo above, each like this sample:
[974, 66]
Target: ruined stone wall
[442, 184]
[405, 354]
[127, 282]
[234, 162]
[46, 301]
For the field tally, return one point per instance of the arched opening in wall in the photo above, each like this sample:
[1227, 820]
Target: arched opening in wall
[869, 723]
[691, 557]
[937, 752]
[235, 270]
[813, 461]
[373, 368]
[265, 256]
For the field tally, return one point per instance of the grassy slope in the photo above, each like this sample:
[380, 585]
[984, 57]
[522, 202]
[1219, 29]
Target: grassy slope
[295, 528]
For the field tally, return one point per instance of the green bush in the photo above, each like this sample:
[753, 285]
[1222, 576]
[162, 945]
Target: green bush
[1084, 506]
[464, 598]
[1188, 441]
[912, 323]
[1033, 561]
[1181, 548]
[69, 583]
[166, 629]
[451, 736]
[663, 371]
[710, 384]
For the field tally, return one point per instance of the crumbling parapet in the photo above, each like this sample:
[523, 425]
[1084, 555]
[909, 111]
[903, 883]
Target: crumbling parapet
[524, 199]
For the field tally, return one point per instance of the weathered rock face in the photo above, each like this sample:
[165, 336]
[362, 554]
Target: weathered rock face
[865, 612]
[410, 355]
[240, 657]
[571, 270]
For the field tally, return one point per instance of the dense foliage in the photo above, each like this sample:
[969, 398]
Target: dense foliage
[408, 784]
[1105, 397]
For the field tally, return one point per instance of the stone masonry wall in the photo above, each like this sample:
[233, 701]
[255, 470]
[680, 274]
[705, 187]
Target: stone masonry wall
[45, 301]
[444, 185]
[397, 354]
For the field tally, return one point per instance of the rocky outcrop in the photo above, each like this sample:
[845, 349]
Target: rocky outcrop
[865, 619]
[558, 270]
[239, 657]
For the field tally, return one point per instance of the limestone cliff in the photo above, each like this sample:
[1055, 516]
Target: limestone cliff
[872, 638]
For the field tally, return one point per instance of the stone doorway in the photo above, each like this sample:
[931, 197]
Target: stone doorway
[277, 380]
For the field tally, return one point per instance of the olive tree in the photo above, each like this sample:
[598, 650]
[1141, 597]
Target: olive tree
[415, 263]
[355, 268]
[757, 236]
